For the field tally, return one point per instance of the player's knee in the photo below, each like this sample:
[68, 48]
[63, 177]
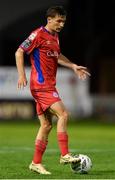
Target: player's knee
[65, 115]
[47, 127]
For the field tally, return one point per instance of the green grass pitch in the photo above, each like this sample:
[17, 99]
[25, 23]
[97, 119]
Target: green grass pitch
[97, 140]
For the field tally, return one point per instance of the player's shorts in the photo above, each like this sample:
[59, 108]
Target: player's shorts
[44, 99]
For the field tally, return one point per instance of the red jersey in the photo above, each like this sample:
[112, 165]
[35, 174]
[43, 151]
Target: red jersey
[44, 50]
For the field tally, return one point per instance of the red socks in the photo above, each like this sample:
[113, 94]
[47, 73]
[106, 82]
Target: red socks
[63, 142]
[40, 147]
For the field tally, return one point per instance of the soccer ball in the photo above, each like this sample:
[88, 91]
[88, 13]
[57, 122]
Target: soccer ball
[84, 166]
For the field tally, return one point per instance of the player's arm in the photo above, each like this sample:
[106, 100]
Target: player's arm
[80, 71]
[19, 56]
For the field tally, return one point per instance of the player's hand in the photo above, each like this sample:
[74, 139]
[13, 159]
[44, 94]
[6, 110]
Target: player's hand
[22, 82]
[81, 71]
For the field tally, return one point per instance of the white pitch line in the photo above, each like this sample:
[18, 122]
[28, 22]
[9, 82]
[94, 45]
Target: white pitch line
[18, 149]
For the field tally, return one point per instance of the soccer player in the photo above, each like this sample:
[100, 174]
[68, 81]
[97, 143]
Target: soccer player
[42, 45]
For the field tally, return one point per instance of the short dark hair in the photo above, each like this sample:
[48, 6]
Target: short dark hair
[55, 10]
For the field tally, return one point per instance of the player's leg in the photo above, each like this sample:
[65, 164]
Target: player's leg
[45, 127]
[40, 144]
[59, 109]
[62, 114]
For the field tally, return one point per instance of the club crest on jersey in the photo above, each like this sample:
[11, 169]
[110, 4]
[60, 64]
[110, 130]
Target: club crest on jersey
[55, 94]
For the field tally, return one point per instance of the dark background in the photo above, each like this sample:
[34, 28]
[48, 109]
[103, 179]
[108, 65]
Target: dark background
[88, 37]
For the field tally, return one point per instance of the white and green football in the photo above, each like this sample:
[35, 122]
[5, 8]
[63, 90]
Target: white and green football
[84, 166]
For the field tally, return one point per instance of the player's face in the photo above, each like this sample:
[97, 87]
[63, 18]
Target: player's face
[57, 23]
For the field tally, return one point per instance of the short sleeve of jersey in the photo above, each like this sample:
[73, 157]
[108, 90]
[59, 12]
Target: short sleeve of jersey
[31, 42]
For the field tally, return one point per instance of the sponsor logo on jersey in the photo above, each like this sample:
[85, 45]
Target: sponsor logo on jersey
[55, 94]
[52, 54]
[48, 42]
